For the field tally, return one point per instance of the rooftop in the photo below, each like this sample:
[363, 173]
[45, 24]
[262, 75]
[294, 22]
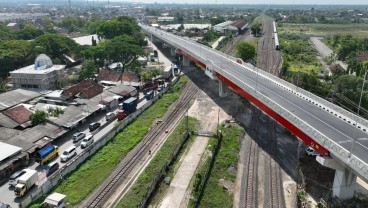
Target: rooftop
[15, 97]
[31, 70]
[71, 116]
[86, 40]
[8, 150]
[130, 77]
[121, 90]
[33, 135]
[223, 24]
[240, 24]
[5, 121]
[7, 133]
[108, 75]
[19, 114]
[86, 88]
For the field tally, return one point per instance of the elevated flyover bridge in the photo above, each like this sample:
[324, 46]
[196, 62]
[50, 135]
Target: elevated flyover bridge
[322, 125]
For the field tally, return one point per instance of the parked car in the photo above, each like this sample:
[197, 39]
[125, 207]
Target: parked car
[311, 152]
[78, 136]
[13, 178]
[88, 140]
[110, 116]
[51, 168]
[68, 153]
[94, 126]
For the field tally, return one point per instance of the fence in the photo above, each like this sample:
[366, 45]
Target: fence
[162, 172]
[208, 172]
[56, 178]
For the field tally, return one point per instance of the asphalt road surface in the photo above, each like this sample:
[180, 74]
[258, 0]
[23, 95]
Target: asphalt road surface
[6, 192]
[331, 126]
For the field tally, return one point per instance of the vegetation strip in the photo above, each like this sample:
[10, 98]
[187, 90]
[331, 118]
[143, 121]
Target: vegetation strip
[215, 194]
[143, 183]
[80, 183]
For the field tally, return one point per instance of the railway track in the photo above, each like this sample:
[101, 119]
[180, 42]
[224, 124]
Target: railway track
[269, 58]
[249, 187]
[98, 199]
[274, 195]
[230, 48]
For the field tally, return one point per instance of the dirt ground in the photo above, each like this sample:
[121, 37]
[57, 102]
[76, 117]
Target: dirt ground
[209, 114]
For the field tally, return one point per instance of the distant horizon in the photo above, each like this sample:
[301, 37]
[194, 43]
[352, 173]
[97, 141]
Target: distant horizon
[250, 2]
[213, 2]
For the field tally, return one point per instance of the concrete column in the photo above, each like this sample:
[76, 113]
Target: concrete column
[222, 89]
[186, 61]
[172, 52]
[344, 182]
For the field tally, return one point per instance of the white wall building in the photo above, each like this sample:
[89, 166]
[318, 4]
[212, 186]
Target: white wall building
[42, 75]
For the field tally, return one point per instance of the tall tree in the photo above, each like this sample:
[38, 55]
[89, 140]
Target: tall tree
[245, 51]
[55, 45]
[123, 49]
[88, 70]
[38, 117]
[13, 55]
[120, 26]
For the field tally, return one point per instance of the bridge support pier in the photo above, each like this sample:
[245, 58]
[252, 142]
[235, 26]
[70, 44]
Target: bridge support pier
[172, 52]
[185, 61]
[344, 182]
[222, 89]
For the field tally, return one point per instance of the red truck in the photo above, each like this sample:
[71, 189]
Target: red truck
[127, 107]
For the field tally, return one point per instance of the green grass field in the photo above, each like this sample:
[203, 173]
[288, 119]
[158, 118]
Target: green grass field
[359, 30]
[88, 176]
[140, 187]
[215, 195]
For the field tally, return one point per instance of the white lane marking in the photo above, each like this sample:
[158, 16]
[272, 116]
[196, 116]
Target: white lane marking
[264, 87]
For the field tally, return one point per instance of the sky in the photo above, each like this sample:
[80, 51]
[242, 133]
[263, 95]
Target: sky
[267, 2]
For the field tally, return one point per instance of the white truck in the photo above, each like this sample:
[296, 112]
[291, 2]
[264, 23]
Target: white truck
[25, 182]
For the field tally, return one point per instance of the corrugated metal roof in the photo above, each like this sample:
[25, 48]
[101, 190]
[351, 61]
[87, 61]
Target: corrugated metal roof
[223, 24]
[7, 150]
[7, 133]
[15, 97]
[7, 122]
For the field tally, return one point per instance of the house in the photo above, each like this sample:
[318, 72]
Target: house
[86, 89]
[19, 115]
[109, 77]
[123, 91]
[13, 26]
[15, 97]
[235, 27]
[336, 69]
[131, 79]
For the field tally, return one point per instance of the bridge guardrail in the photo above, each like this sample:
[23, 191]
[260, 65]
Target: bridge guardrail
[338, 151]
[294, 89]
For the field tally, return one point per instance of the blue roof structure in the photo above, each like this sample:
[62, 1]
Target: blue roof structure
[44, 151]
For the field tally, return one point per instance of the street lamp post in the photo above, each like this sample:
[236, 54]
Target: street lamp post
[360, 102]
[361, 92]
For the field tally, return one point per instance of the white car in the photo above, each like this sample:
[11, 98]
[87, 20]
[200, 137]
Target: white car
[311, 152]
[68, 153]
[88, 140]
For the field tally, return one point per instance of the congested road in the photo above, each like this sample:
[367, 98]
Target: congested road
[339, 131]
[6, 192]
